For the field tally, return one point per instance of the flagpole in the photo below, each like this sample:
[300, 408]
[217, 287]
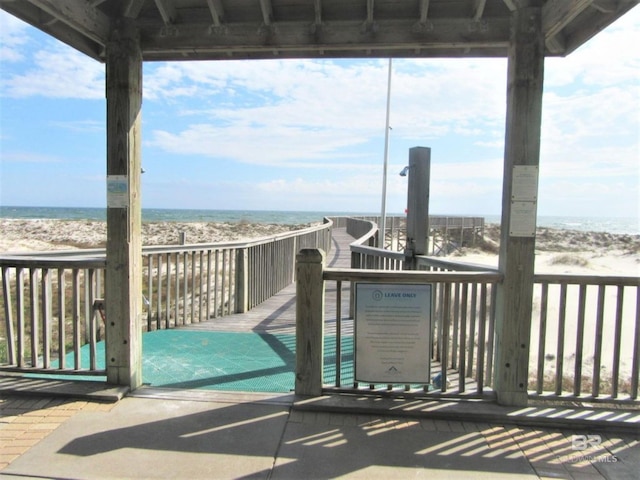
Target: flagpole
[383, 213]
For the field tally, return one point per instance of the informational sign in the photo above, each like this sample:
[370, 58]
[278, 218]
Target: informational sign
[524, 201]
[522, 222]
[117, 191]
[525, 183]
[393, 333]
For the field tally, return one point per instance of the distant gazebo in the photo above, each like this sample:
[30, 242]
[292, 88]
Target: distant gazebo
[124, 33]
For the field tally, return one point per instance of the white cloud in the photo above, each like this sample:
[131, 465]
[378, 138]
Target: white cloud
[13, 35]
[57, 72]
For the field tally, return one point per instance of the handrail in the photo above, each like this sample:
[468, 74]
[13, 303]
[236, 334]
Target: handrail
[587, 327]
[42, 292]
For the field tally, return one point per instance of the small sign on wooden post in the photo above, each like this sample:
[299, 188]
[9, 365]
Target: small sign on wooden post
[393, 333]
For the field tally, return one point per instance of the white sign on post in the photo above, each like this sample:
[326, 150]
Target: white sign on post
[393, 333]
[117, 191]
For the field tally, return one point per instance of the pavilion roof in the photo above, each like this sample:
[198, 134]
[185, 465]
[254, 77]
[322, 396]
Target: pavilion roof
[259, 29]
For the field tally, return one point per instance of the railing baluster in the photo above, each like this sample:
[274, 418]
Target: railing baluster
[338, 332]
[62, 319]
[462, 381]
[635, 373]
[90, 289]
[159, 293]
[20, 316]
[597, 350]
[177, 318]
[561, 331]
[193, 287]
[577, 376]
[208, 284]
[167, 307]
[456, 320]
[33, 304]
[491, 334]
[149, 303]
[544, 299]
[444, 333]
[615, 371]
[472, 330]
[482, 337]
[185, 287]
[217, 273]
[75, 315]
[8, 317]
[46, 318]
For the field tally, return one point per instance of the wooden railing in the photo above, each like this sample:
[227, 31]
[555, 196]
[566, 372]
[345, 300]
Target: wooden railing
[52, 300]
[585, 333]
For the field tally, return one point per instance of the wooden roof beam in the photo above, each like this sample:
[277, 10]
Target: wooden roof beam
[267, 11]
[557, 14]
[132, 8]
[369, 24]
[605, 6]
[424, 11]
[370, 5]
[478, 8]
[217, 11]
[167, 11]
[82, 17]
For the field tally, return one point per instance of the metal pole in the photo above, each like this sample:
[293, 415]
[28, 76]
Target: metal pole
[383, 213]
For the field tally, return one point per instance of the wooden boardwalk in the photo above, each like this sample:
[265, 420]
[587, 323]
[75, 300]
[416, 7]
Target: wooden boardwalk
[278, 313]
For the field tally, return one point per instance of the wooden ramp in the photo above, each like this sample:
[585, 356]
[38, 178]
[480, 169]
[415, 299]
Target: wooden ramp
[278, 313]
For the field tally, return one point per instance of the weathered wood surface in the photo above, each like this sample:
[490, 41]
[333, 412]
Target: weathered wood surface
[516, 262]
[123, 285]
[278, 313]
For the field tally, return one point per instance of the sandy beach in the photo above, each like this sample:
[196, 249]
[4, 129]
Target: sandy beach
[24, 235]
[557, 251]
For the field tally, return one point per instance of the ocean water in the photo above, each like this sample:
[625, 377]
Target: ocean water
[618, 225]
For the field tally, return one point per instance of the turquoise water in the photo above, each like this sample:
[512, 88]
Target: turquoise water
[626, 225]
[170, 215]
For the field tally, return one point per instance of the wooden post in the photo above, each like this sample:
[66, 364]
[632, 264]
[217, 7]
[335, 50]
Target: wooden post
[123, 283]
[242, 281]
[417, 204]
[309, 321]
[519, 202]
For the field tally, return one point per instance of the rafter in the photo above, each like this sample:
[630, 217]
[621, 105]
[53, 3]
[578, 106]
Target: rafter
[557, 14]
[478, 8]
[370, 4]
[317, 8]
[267, 11]
[167, 11]
[87, 20]
[424, 11]
[132, 8]
[217, 11]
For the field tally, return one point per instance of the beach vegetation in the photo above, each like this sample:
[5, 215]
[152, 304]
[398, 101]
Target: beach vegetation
[568, 259]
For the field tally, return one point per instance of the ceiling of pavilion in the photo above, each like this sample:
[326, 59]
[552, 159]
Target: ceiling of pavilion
[254, 29]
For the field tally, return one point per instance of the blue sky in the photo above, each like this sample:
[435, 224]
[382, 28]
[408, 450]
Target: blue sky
[309, 135]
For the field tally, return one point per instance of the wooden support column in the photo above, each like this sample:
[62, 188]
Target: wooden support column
[123, 283]
[309, 321]
[519, 203]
